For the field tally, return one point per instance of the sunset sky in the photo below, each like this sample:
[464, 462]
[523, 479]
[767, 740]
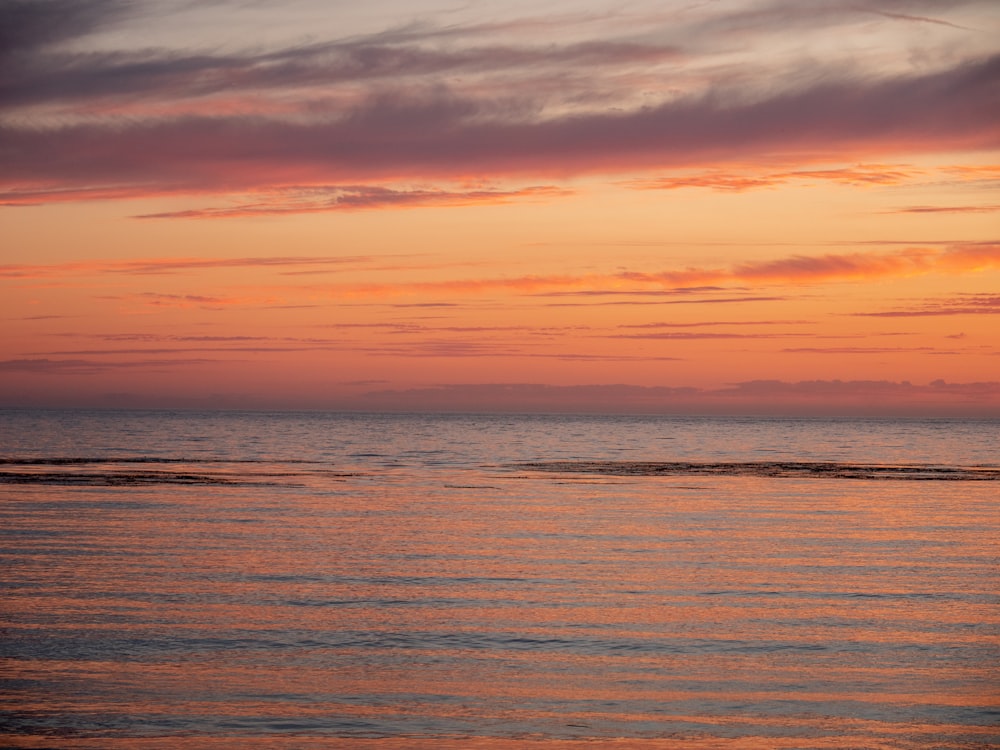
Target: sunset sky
[745, 207]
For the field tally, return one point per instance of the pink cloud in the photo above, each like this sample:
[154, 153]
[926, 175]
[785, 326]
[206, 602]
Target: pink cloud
[831, 267]
[967, 304]
[819, 397]
[692, 285]
[916, 19]
[434, 134]
[793, 270]
[712, 323]
[982, 209]
[45, 366]
[321, 200]
[144, 266]
[861, 175]
[859, 350]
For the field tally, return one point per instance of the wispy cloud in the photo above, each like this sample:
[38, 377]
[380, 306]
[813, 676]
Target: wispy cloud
[356, 198]
[665, 298]
[709, 323]
[467, 348]
[432, 104]
[869, 397]
[916, 19]
[30, 27]
[796, 270]
[861, 175]
[859, 349]
[980, 209]
[437, 135]
[155, 266]
[703, 335]
[958, 258]
[691, 285]
[966, 304]
[195, 81]
[865, 389]
[179, 350]
[45, 366]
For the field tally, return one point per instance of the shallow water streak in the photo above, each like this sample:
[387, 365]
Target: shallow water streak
[818, 469]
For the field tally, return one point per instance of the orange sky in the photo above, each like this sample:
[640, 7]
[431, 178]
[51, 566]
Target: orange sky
[731, 207]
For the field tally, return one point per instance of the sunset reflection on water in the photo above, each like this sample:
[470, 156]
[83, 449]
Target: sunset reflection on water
[495, 607]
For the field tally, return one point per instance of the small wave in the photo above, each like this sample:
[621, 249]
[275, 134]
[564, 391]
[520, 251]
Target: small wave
[85, 460]
[791, 469]
[109, 471]
[120, 479]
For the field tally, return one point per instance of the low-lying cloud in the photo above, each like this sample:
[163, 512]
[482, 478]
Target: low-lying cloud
[834, 397]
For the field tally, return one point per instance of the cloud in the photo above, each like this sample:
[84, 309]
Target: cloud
[425, 304]
[859, 350]
[702, 335]
[527, 396]
[864, 388]
[148, 337]
[833, 267]
[436, 133]
[778, 16]
[796, 270]
[722, 335]
[958, 258]
[156, 266]
[975, 173]
[320, 200]
[182, 350]
[966, 304]
[442, 106]
[861, 175]
[29, 26]
[44, 366]
[692, 285]
[727, 182]
[464, 348]
[917, 19]
[981, 209]
[193, 78]
[834, 397]
[657, 299]
[712, 323]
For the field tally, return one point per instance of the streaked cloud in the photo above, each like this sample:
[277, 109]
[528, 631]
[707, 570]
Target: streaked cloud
[154, 266]
[437, 135]
[791, 270]
[685, 285]
[859, 176]
[966, 304]
[865, 388]
[839, 397]
[676, 191]
[916, 19]
[981, 209]
[435, 105]
[356, 198]
[859, 349]
[704, 335]
[45, 366]
[709, 323]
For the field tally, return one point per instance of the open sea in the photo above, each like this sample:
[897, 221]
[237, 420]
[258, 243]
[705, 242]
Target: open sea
[304, 580]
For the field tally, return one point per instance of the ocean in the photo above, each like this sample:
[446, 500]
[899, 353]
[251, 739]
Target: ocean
[307, 580]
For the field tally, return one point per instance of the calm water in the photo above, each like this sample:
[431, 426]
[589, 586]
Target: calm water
[203, 580]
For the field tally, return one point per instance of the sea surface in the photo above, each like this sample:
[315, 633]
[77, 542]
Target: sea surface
[298, 580]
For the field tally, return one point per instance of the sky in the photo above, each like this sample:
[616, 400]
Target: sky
[751, 207]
